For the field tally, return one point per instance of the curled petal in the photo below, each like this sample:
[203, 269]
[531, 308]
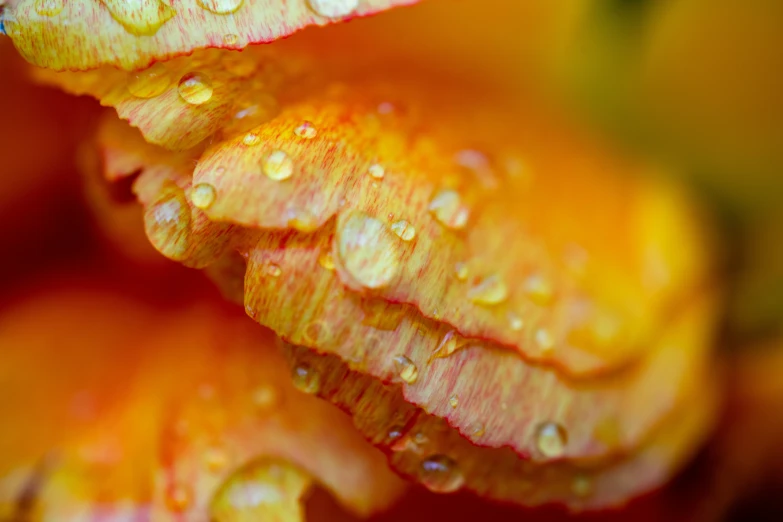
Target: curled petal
[132, 34]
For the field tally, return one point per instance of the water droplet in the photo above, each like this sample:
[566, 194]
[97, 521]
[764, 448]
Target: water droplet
[454, 401]
[461, 271]
[302, 220]
[178, 498]
[278, 165]
[326, 260]
[478, 163]
[515, 322]
[395, 433]
[49, 7]
[551, 440]
[376, 171]
[273, 270]
[266, 397]
[306, 130]
[544, 339]
[150, 82]
[489, 291]
[404, 230]
[306, 379]
[221, 6]
[230, 39]
[251, 139]
[448, 209]
[195, 88]
[203, 195]
[476, 430]
[406, 369]
[334, 8]
[449, 344]
[216, 459]
[140, 17]
[367, 250]
[317, 333]
[167, 223]
[441, 474]
[539, 289]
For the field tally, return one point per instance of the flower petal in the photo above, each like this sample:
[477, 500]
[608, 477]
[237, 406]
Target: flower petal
[163, 442]
[132, 34]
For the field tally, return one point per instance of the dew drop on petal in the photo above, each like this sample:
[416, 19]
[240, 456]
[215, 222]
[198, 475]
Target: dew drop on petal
[273, 270]
[306, 130]
[150, 82]
[266, 397]
[49, 7]
[454, 401]
[476, 429]
[167, 223]
[203, 196]
[367, 250]
[376, 171]
[140, 17]
[448, 209]
[306, 379]
[461, 271]
[230, 39]
[441, 474]
[406, 369]
[491, 290]
[278, 165]
[404, 230]
[539, 289]
[195, 88]
[326, 260]
[544, 339]
[447, 345]
[220, 6]
[551, 439]
[251, 139]
[333, 8]
[317, 333]
[515, 322]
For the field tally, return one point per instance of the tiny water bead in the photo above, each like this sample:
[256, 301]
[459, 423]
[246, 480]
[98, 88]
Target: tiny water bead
[406, 369]
[152, 81]
[333, 8]
[367, 250]
[306, 379]
[376, 171]
[221, 6]
[273, 270]
[230, 39]
[306, 130]
[551, 439]
[544, 339]
[251, 139]
[49, 7]
[266, 396]
[441, 474]
[195, 88]
[491, 290]
[326, 260]
[539, 289]
[461, 271]
[278, 165]
[404, 230]
[454, 401]
[448, 209]
[515, 322]
[476, 429]
[203, 196]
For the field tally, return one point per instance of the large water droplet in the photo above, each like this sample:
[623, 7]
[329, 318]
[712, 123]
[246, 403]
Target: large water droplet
[448, 209]
[306, 379]
[449, 344]
[489, 291]
[221, 6]
[203, 195]
[551, 439]
[404, 230]
[195, 88]
[334, 8]
[406, 369]
[49, 7]
[367, 250]
[150, 82]
[278, 165]
[140, 17]
[441, 474]
[306, 130]
[167, 223]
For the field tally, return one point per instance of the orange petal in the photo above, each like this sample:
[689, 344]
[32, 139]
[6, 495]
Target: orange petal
[61, 34]
[163, 411]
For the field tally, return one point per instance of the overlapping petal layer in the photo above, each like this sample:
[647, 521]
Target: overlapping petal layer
[359, 206]
[134, 416]
[61, 34]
